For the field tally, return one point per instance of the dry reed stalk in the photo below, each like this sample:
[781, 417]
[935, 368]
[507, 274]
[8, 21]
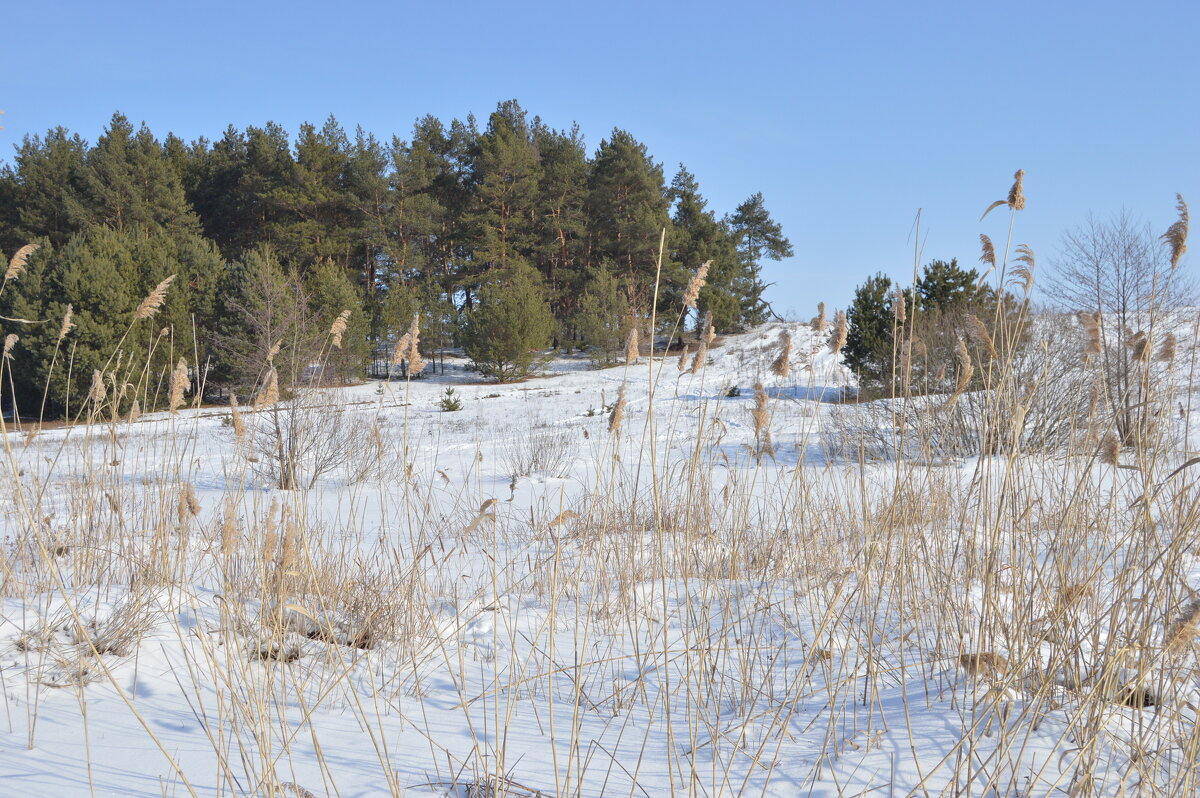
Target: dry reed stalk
[631, 345]
[906, 359]
[618, 412]
[701, 357]
[979, 332]
[269, 394]
[338, 328]
[1110, 450]
[899, 311]
[818, 322]
[1177, 233]
[695, 284]
[239, 426]
[16, 266]
[1166, 350]
[153, 301]
[838, 340]
[10, 341]
[67, 324]
[179, 385]
[1182, 632]
[782, 364]
[966, 370]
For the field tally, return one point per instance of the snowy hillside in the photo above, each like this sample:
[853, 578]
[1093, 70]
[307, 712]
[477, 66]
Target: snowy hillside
[630, 582]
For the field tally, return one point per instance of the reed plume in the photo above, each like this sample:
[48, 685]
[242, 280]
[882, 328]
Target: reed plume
[338, 328]
[782, 365]
[1177, 233]
[1091, 328]
[269, 394]
[979, 332]
[16, 266]
[1110, 449]
[988, 254]
[683, 356]
[179, 385]
[239, 426]
[709, 333]
[631, 345]
[68, 324]
[1016, 194]
[153, 301]
[1182, 632]
[818, 322]
[838, 340]
[416, 364]
[701, 357]
[1024, 269]
[618, 412]
[899, 311]
[1166, 350]
[98, 391]
[760, 413]
[10, 341]
[135, 411]
[695, 284]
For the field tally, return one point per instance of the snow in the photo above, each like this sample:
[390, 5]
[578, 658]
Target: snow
[564, 610]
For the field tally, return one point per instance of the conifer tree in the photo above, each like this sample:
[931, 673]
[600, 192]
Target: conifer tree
[331, 293]
[603, 317]
[510, 322]
[758, 237]
[697, 237]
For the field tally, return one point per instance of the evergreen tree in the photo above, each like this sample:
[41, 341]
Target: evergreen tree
[330, 293]
[603, 318]
[510, 322]
[869, 343]
[560, 219]
[505, 175]
[697, 237]
[627, 208]
[758, 237]
[47, 187]
[129, 184]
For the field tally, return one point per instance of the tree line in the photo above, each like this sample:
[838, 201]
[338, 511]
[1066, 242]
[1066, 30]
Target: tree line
[271, 238]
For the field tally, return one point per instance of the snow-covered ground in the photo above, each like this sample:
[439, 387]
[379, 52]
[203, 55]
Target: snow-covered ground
[517, 599]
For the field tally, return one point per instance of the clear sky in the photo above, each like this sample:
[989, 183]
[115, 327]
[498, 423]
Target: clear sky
[847, 116]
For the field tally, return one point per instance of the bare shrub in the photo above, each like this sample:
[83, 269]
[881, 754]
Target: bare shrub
[544, 450]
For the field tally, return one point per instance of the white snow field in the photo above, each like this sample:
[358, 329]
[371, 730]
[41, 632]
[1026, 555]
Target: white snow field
[514, 599]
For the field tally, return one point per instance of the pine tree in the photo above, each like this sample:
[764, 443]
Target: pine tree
[627, 209]
[331, 292]
[603, 318]
[560, 219]
[868, 350]
[48, 189]
[505, 174]
[510, 322]
[758, 237]
[697, 237]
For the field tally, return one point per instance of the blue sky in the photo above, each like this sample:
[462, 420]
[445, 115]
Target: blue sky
[847, 116]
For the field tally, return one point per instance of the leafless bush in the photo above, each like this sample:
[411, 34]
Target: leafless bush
[544, 450]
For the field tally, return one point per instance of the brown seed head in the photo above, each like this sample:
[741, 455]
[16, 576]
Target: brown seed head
[1110, 449]
[701, 357]
[338, 328]
[179, 385]
[818, 322]
[979, 332]
[67, 324]
[153, 301]
[269, 393]
[16, 266]
[1177, 233]
[10, 341]
[782, 366]
[838, 340]
[695, 284]
[239, 426]
[98, 392]
[618, 412]
[1016, 194]
[631, 345]
[988, 255]
[1024, 269]
[761, 412]
[415, 363]
[1166, 350]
